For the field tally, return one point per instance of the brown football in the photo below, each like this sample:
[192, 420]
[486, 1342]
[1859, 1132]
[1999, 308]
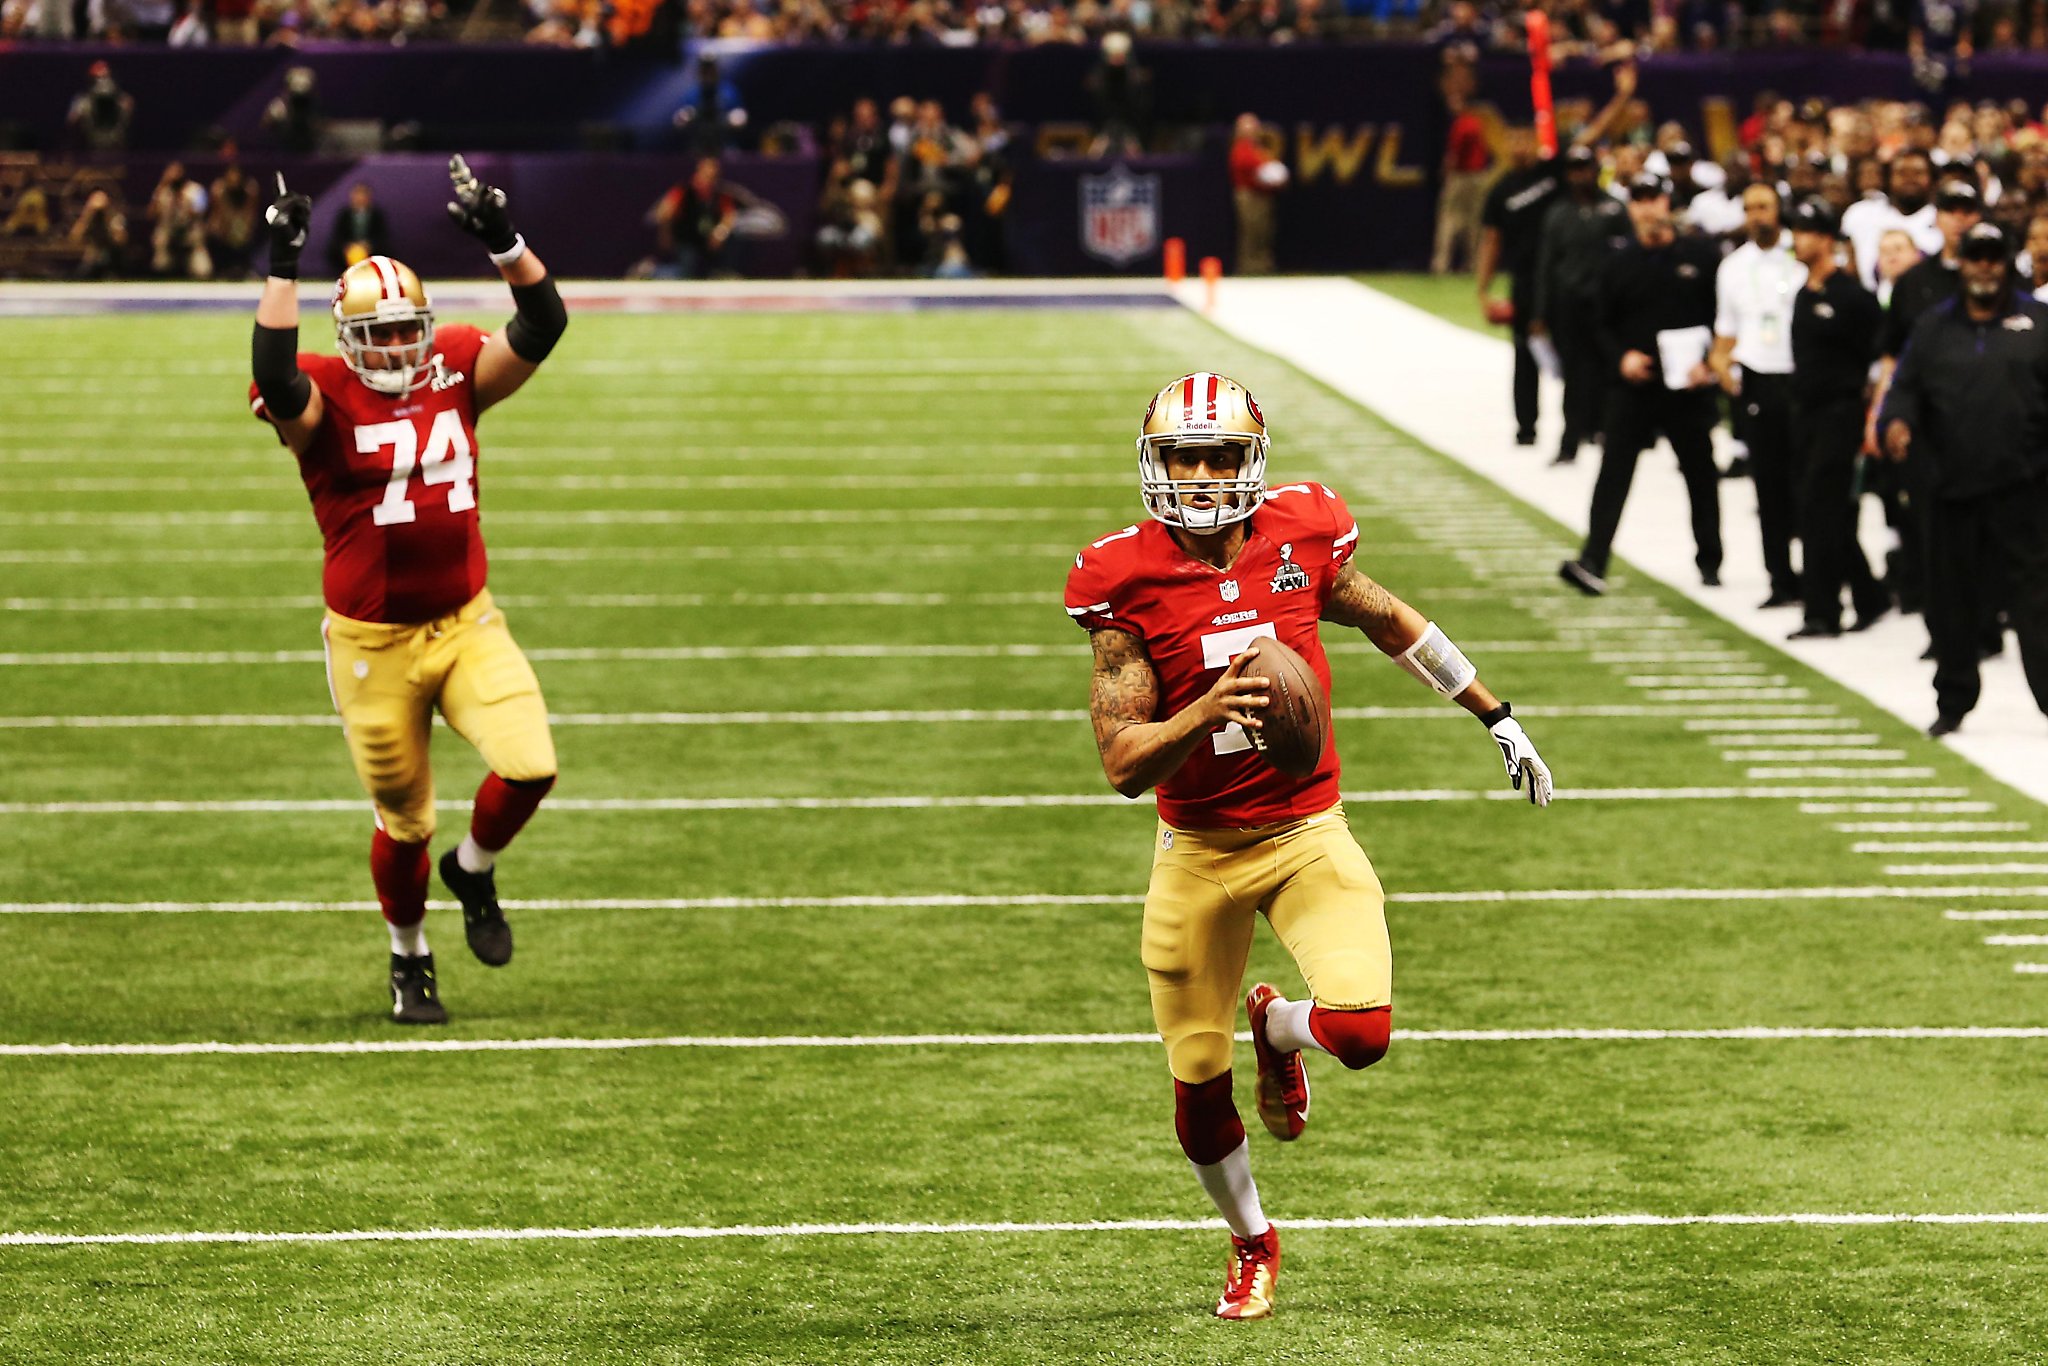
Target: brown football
[1298, 718]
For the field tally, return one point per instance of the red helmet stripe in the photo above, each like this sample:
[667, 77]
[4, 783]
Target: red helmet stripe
[1212, 398]
[1187, 399]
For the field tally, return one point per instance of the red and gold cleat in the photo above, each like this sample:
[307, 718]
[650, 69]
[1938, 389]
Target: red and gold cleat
[1282, 1090]
[1254, 1273]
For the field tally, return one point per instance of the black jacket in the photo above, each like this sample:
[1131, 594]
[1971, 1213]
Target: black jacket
[1976, 396]
[1577, 241]
[1834, 340]
[1931, 282]
[1647, 290]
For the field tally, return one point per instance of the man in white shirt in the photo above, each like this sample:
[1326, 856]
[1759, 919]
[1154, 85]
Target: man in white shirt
[1754, 291]
[1907, 205]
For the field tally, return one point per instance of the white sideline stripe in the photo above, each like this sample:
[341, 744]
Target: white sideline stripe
[1973, 869]
[1803, 756]
[273, 805]
[2016, 941]
[1745, 1033]
[1845, 739]
[1831, 723]
[1895, 808]
[1995, 915]
[944, 901]
[1951, 847]
[1829, 771]
[917, 1230]
[1926, 827]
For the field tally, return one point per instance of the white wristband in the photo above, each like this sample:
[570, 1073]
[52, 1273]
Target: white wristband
[511, 253]
[1438, 662]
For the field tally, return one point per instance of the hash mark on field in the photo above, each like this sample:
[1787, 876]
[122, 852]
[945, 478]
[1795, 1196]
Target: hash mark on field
[665, 1231]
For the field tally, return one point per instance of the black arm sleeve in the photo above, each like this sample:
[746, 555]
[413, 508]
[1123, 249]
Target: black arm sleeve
[274, 361]
[540, 321]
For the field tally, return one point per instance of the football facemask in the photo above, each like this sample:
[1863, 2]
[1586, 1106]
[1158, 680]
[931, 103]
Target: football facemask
[1202, 409]
[373, 300]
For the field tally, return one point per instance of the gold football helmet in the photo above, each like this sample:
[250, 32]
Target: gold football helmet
[1203, 409]
[384, 324]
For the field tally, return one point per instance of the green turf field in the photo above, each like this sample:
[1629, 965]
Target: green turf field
[792, 586]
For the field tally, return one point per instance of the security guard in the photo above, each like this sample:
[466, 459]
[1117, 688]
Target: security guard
[1581, 233]
[1655, 320]
[1835, 322]
[1753, 295]
[1970, 397]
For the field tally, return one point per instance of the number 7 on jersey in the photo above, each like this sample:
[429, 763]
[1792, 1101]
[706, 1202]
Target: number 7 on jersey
[449, 460]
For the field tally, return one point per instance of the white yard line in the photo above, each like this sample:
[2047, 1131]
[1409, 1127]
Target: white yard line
[2031, 968]
[952, 901]
[920, 802]
[1927, 827]
[1449, 386]
[1995, 915]
[1830, 771]
[248, 517]
[1895, 808]
[1960, 869]
[358, 1047]
[1951, 847]
[1389, 1223]
[313, 603]
[1805, 756]
[2016, 941]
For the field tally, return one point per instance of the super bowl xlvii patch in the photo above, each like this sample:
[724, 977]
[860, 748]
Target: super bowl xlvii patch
[1289, 576]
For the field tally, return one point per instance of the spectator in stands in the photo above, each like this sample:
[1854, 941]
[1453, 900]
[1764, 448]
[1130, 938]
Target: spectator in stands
[231, 221]
[1121, 90]
[1908, 204]
[234, 23]
[926, 175]
[1896, 254]
[1256, 175]
[711, 113]
[850, 228]
[1467, 171]
[177, 234]
[101, 236]
[101, 113]
[986, 186]
[694, 222]
[2037, 257]
[360, 230]
[864, 146]
[293, 118]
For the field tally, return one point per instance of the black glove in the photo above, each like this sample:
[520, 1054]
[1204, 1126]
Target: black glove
[288, 219]
[479, 209]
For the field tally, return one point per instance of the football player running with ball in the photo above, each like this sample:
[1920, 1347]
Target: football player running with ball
[1176, 608]
[385, 435]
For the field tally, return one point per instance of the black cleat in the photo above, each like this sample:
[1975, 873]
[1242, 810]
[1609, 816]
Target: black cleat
[1710, 578]
[1944, 724]
[1526, 437]
[1815, 630]
[415, 998]
[1865, 620]
[1780, 598]
[490, 938]
[1582, 578]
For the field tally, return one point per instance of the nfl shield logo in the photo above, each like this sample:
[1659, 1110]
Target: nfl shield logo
[1119, 215]
[1229, 590]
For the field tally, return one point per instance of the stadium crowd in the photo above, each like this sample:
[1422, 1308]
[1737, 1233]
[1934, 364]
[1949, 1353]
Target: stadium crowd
[1941, 32]
[1670, 290]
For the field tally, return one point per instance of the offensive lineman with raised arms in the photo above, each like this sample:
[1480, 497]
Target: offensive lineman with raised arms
[385, 435]
[1175, 608]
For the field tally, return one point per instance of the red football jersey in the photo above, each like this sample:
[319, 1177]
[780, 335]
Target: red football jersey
[1193, 618]
[393, 483]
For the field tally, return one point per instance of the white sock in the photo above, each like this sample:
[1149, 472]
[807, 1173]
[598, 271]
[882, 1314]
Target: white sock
[473, 857]
[1287, 1027]
[1230, 1185]
[409, 941]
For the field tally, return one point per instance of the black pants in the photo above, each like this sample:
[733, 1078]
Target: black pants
[1766, 404]
[1636, 415]
[1825, 438]
[1574, 332]
[2011, 525]
[1523, 297]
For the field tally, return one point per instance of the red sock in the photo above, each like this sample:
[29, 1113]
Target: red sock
[503, 808]
[400, 872]
[1206, 1119]
[1357, 1038]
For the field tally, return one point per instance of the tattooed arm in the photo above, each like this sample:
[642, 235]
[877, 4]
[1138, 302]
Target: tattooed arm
[1392, 625]
[1138, 752]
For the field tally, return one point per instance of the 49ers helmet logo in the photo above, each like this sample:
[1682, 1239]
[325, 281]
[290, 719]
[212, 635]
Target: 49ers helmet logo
[1252, 405]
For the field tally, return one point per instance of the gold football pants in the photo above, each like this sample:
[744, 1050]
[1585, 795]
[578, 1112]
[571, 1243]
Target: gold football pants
[386, 681]
[1313, 884]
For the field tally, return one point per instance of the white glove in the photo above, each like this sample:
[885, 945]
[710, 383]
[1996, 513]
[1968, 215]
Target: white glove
[1521, 759]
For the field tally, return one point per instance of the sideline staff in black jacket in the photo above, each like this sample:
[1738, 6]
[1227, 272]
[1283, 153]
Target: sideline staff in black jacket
[1970, 397]
[1658, 284]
